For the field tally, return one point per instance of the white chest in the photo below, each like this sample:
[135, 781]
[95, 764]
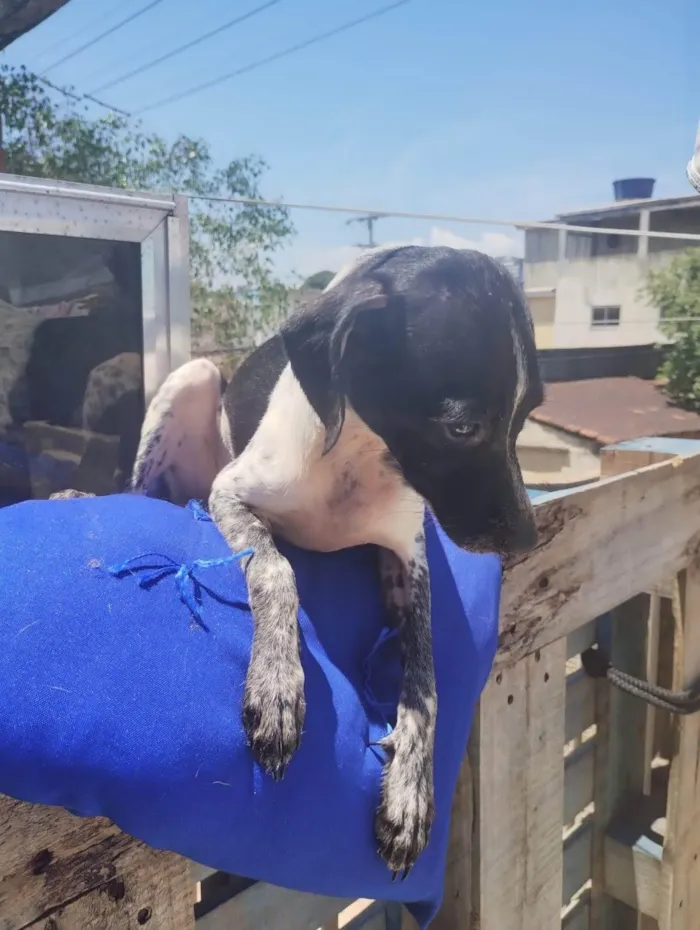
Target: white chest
[348, 497]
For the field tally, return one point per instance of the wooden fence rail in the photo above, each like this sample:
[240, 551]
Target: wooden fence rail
[577, 806]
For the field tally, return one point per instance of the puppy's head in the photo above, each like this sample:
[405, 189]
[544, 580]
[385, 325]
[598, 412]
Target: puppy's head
[433, 348]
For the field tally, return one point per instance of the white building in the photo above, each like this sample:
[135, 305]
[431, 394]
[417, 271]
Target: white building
[586, 289]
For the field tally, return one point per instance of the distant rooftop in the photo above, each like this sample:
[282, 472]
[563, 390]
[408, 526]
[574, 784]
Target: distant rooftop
[610, 410]
[626, 207]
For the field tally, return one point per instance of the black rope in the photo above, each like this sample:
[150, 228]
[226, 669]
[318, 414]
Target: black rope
[597, 665]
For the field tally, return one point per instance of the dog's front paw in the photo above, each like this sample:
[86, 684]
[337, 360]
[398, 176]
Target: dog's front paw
[273, 713]
[407, 808]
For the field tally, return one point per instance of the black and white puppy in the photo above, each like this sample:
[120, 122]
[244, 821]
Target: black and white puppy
[405, 383]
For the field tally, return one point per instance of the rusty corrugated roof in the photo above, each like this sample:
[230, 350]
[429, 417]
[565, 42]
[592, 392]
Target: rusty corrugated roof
[609, 410]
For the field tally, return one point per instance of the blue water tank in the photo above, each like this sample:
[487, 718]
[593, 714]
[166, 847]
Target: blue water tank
[634, 188]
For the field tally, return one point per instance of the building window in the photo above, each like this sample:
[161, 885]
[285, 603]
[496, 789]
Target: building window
[605, 316]
[612, 241]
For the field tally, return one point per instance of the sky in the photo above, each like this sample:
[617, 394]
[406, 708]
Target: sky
[513, 109]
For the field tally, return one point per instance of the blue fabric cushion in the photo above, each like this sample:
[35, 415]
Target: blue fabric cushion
[120, 695]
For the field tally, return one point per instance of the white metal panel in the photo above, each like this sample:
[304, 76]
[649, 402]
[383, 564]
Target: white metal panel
[158, 221]
[179, 285]
[155, 289]
[90, 192]
[51, 215]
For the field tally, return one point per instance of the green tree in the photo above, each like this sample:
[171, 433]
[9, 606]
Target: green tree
[236, 296]
[675, 290]
[319, 281]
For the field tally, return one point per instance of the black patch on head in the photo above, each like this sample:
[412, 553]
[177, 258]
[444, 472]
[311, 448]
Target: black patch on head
[422, 343]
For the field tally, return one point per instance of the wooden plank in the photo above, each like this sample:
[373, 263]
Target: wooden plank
[520, 779]
[632, 875]
[619, 765]
[198, 873]
[77, 870]
[376, 915]
[151, 889]
[577, 862]
[376, 921]
[652, 676]
[645, 921]
[599, 545]
[616, 460]
[665, 728]
[580, 705]
[619, 771]
[456, 910]
[267, 907]
[580, 640]
[633, 850]
[679, 904]
[217, 889]
[579, 917]
[48, 855]
[346, 916]
[647, 450]
[578, 780]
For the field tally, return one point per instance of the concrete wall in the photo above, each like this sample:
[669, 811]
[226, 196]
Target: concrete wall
[549, 456]
[597, 270]
[581, 284]
[543, 310]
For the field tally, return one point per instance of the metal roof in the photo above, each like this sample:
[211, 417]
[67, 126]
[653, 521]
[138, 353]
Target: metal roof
[610, 410]
[626, 207]
[20, 16]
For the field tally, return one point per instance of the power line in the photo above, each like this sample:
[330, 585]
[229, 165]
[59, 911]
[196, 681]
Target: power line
[76, 34]
[445, 217]
[320, 37]
[102, 35]
[185, 47]
[80, 97]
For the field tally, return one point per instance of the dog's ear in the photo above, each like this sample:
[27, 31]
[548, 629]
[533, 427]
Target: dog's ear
[349, 314]
[316, 340]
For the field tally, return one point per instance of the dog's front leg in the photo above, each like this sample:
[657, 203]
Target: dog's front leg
[407, 809]
[273, 703]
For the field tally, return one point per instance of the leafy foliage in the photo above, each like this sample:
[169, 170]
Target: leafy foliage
[675, 290]
[319, 281]
[236, 297]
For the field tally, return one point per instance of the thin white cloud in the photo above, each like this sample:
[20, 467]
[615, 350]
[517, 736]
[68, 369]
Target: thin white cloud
[497, 244]
[305, 259]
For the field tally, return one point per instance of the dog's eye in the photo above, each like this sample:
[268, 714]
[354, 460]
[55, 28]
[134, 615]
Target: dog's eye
[472, 432]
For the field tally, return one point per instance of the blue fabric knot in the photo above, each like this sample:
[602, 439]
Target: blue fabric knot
[199, 511]
[189, 586]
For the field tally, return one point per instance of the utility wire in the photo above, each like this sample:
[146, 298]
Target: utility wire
[185, 47]
[51, 49]
[102, 35]
[80, 97]
[320, 37]
[448, 218]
